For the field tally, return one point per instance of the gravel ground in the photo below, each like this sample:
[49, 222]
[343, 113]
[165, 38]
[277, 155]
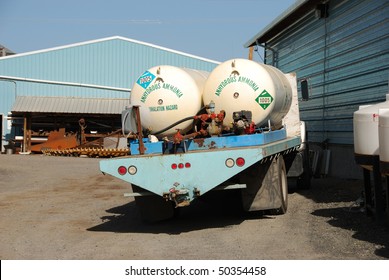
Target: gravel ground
[64, 208]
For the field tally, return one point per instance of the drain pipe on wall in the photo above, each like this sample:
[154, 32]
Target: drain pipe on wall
[10, 78]
[274, 53]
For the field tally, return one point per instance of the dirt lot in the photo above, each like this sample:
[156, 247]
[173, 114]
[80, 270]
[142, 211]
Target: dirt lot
[64, 208]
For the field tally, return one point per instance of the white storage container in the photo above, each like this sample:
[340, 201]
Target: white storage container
[167, 94]
[366, 128]
[241, 84]
[383, 134]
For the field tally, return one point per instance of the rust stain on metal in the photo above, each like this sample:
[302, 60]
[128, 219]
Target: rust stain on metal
[90, 152]
[57, 140]
[139, 128]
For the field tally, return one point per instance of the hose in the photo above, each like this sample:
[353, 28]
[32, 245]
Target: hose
[174, 124]
[180, 121]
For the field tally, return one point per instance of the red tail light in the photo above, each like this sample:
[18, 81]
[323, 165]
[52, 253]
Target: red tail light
[122, 170]
[240, 162]
[181, 165]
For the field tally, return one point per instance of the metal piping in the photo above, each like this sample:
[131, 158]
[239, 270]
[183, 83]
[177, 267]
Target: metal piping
[274, 52]
[11, 81]
[10, 78]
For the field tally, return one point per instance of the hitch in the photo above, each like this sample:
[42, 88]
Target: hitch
[179, 196]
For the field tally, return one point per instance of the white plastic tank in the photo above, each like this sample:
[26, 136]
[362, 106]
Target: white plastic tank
[383, 134]
[241, 84]
[365, 121]
[167, 94]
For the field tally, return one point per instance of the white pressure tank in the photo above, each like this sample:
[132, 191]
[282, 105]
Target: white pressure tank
[168, 94]
[365, 121]
[241, 84]
[383, 135]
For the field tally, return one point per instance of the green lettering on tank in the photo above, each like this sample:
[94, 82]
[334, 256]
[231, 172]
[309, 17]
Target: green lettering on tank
[264, 99]
[163, 108]
[224, 83]
[173, 89]
[171, 107]
[149, 90]
[157, 86]
[157, 109]
[248, 81]
[235, 79]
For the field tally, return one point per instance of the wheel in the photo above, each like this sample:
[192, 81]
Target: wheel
[283, 185]
[266, 187]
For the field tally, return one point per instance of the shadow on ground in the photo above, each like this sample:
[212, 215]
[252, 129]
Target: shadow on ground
[217, 210]
[335, 200]
[364, 227]
[341, 201]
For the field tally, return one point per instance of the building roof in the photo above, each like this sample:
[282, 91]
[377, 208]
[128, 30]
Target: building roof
[114, 38]
[114, 62]
[68, 105]
[288, 17]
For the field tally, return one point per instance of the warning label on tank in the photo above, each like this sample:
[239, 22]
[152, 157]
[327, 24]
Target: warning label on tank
[145, 80]
[163, 108]
[264, 99]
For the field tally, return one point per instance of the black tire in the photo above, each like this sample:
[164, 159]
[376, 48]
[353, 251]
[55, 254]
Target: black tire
[267, 187]
[283, 185]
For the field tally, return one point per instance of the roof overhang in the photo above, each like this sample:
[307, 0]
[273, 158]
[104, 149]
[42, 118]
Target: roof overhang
[68, 105]
[288, 17]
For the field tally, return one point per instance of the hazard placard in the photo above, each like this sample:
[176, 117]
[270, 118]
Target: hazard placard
[264, 99]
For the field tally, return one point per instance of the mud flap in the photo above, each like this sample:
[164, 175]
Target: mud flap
[153, 208]
[266, 186]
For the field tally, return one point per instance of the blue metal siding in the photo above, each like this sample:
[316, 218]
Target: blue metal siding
[112, 62]
[346, 60]
[7, 96]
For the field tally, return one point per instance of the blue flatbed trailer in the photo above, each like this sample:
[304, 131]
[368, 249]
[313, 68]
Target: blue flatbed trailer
[255, 161]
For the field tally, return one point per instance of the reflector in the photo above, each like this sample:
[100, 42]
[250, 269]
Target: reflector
[122, 170]
[132, 169]
[230, 162]
[240, 162]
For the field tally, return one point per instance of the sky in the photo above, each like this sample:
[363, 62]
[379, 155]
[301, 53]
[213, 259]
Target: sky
[213, 29]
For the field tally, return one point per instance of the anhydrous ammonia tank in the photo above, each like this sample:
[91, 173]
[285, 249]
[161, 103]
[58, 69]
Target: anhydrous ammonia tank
[168, 94]
[383, 134]
[365, 123]
[241, 84]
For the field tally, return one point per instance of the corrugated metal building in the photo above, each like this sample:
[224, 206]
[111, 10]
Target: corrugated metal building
[341, 48]
[92, 78]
